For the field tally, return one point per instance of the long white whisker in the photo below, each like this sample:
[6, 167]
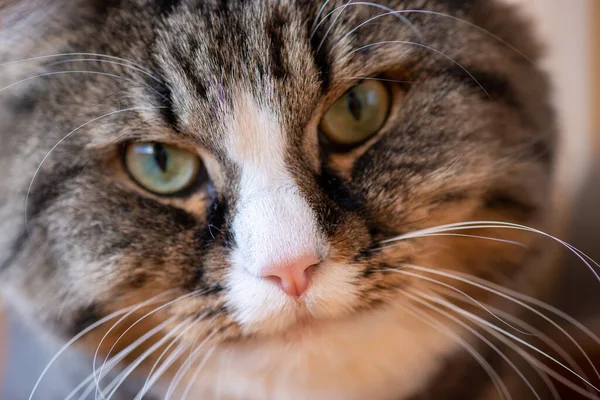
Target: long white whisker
[479, 28]
[498, 292]
[142, 68]
[82, 72]
[471, 298]
[118, 381]
[339, 14]
[402, 18]
[429, 48]
[197, 372]
[540, 366]
[313, 26]
[63, 139]
[371, 78]
[128, 66]
[160, 371]
[152, 312]
[180, 373]
[512, 242]
[114, 361]
[431, 321]
[499, 225]
[83, 333]
[539, 334]
[477, 334]
[538, 303]
[508, 334]
[151, 379]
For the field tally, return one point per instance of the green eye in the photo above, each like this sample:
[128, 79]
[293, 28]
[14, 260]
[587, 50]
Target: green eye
[160, 168]
[358, 115]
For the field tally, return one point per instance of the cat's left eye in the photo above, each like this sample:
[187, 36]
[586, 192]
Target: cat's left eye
[161, 168]
[357, 115]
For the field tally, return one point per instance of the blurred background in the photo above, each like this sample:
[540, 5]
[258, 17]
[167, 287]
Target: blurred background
[571, 30]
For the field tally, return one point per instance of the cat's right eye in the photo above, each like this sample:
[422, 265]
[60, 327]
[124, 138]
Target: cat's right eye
[357, 115]
[161, 168]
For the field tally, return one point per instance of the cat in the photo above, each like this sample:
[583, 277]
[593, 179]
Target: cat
[279, 199]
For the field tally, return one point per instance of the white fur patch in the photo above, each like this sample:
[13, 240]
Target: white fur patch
[274, 224]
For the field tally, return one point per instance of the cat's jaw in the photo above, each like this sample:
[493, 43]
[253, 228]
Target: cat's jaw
[383, 354]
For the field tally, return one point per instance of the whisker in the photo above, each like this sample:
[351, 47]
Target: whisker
[513, 242]
[83, 333]
[501, 225]
[372, 78]
[168, 362]
[536, 364]
[539, 334]
[38, 58]
[402, 18]
[180, 373]
[197, 372]
[114, 361]
[538, 303]
[479, 28]
[542, 368]
[471, 298]
[339, 14]
[55, 73]
[152, 312]
[498, 292]
[429, 48]
[63, 139]
[134, 68]
[508, 334]
[118, 381]
[160, 371]
[478, 335]
[313, 26]
[436, 324]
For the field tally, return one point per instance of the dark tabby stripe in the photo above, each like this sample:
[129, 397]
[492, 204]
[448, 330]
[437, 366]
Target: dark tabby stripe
[84, 318]
[502, 201]
[167, 111]
[166, 7]
[321, 59]
[274, 29]
[498, 88]
[17, 247]
[51, 186]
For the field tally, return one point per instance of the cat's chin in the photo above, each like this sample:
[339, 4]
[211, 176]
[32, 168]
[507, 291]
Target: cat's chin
[306, 326]
[357, 356]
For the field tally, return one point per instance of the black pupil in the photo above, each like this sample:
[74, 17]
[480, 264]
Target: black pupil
[160, 156]
[354, 105]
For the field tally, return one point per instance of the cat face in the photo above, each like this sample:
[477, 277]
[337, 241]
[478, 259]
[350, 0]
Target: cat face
[247, 162]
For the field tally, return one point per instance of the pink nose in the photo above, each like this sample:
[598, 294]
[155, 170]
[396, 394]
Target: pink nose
[292, 277]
